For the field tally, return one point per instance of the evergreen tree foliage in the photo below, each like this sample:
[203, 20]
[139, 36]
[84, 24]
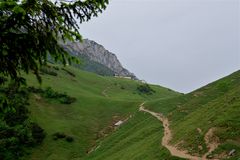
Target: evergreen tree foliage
[30, 31]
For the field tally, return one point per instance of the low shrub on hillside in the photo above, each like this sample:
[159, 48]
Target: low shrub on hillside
[68, 72]
[60, 135]
[145, 89]
[69, 139]
[48, 70]
[67, 100]
[37, 133]
[51, 94]
[61, 97]
[35, 90]
[122, 87]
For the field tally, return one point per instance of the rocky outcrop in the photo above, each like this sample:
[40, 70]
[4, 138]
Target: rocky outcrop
[97, 53]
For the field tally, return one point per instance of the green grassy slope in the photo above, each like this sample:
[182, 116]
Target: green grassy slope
[101, 101]
[215, 105]
[138, 139]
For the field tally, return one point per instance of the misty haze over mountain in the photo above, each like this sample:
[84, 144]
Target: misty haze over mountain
[181, 44]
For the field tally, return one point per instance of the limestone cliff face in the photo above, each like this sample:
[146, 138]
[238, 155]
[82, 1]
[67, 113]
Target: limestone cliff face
[98, 53]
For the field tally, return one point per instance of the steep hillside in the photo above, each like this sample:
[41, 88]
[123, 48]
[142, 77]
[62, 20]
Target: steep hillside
[207, 117]
[216, 108]
[138, 139]
[92, 66]
[100, 102]
[103, 119]
[93, 53]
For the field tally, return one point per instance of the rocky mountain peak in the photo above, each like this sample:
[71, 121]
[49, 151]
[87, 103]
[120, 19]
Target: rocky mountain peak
[97, 53]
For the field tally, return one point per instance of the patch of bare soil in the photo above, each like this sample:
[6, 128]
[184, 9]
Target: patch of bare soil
[111, 127]
[211, 141]
[104, 92]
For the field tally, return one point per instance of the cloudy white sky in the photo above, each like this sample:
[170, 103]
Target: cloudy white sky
[180, 44]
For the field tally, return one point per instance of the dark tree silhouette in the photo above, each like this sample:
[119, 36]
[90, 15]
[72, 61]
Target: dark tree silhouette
[30, 31]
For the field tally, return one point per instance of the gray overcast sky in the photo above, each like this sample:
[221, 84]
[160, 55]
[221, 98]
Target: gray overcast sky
[180, 44]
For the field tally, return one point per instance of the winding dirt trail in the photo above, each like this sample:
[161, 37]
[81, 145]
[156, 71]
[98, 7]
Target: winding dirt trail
[168, 136]
[104, 92]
